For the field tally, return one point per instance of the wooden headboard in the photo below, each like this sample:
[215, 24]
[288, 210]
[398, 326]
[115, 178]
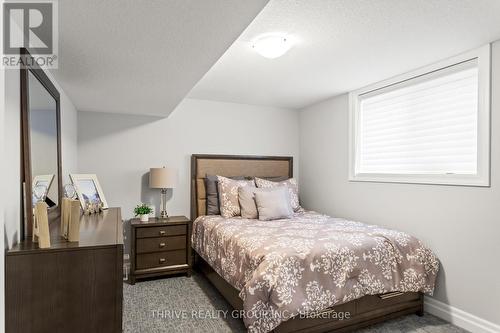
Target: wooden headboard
[230, 166]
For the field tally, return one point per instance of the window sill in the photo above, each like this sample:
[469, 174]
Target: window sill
[453, 180]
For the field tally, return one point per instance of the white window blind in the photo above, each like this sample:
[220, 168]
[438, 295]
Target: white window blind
[424, 127]
[428, 126]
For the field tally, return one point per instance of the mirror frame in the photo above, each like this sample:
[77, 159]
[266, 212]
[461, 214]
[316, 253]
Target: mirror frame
[26, 229]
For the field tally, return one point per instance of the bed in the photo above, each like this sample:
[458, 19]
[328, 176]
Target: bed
[310, 273]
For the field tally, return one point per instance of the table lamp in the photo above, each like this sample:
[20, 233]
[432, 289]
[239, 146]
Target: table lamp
[163, 178]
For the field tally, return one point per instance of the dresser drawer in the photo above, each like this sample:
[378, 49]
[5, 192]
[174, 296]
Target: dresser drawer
[167, 230]
[160, 244]
[161, 259]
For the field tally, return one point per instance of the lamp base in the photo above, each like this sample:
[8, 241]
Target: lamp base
[163, 203]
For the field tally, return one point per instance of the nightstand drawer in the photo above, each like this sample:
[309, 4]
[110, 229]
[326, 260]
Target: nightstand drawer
[160, 244]
[161, 259]
[168, 230]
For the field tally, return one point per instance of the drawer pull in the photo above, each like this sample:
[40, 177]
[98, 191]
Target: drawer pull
[390, 295]
[162, 260]
[162, 232]
[162, 245]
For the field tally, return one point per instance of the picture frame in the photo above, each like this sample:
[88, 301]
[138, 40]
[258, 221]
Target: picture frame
[45, 180]
[88, 189]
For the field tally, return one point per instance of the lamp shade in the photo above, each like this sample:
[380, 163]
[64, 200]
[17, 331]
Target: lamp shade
[162, 178]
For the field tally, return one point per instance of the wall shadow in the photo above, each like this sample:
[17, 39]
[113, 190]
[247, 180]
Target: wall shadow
[101, 124]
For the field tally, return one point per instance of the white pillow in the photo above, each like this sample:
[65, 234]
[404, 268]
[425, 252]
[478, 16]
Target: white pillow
[274, 204]
[291, 184]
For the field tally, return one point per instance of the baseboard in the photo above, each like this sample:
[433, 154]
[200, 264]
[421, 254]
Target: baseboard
[459, 317]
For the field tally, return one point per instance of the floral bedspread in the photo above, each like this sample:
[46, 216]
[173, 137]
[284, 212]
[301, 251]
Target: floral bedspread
[309, 263]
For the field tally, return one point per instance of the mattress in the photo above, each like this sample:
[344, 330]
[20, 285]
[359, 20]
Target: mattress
[309, 263]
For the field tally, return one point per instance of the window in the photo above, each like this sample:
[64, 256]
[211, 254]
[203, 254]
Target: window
[428, 126]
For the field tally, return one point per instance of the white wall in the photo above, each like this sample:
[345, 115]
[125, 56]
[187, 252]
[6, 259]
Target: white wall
[120, 149]
[2, 198]
[12, 151]
[461, 224]
[12, 157]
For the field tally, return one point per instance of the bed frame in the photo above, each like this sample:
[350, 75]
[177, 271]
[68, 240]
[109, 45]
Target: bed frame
[365, 311]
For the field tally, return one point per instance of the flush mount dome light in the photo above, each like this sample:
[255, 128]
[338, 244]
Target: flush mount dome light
[272, 46]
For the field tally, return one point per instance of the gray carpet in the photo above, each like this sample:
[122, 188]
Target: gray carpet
[167, 305]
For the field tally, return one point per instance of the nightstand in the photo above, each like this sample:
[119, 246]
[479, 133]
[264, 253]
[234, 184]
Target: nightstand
[160, 247]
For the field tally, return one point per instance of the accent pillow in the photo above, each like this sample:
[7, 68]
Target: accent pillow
[273, 205]
[212, 191]
[246, 197]
[228, 195]
[291, 184]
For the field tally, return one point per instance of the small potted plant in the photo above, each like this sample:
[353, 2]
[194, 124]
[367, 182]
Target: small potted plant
[143, 210]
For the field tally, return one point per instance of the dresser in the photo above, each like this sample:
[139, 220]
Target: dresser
[71, 286]
[160, 247]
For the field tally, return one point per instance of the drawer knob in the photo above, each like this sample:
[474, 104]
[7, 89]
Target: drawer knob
[162, 244]
[162, 232]
[162, 260]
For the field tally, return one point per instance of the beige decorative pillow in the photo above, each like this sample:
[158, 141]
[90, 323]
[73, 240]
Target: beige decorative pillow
[228, 195]
[291, 184]
[246, 196]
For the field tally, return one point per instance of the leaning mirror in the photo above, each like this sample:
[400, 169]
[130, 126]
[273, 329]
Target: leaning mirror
[41, 143]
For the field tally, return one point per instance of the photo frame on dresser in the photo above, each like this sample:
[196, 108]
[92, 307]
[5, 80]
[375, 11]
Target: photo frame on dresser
[88, 189]
[46, 182]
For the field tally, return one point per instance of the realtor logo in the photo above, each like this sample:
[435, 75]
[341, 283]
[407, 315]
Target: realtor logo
[30, 25]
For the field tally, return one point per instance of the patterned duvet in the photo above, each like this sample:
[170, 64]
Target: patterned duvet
[309, 263]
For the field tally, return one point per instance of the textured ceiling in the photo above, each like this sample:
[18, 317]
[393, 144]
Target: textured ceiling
[343, 45]
[143, 57]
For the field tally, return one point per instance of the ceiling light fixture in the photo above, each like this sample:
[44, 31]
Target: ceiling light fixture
[272, 46]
